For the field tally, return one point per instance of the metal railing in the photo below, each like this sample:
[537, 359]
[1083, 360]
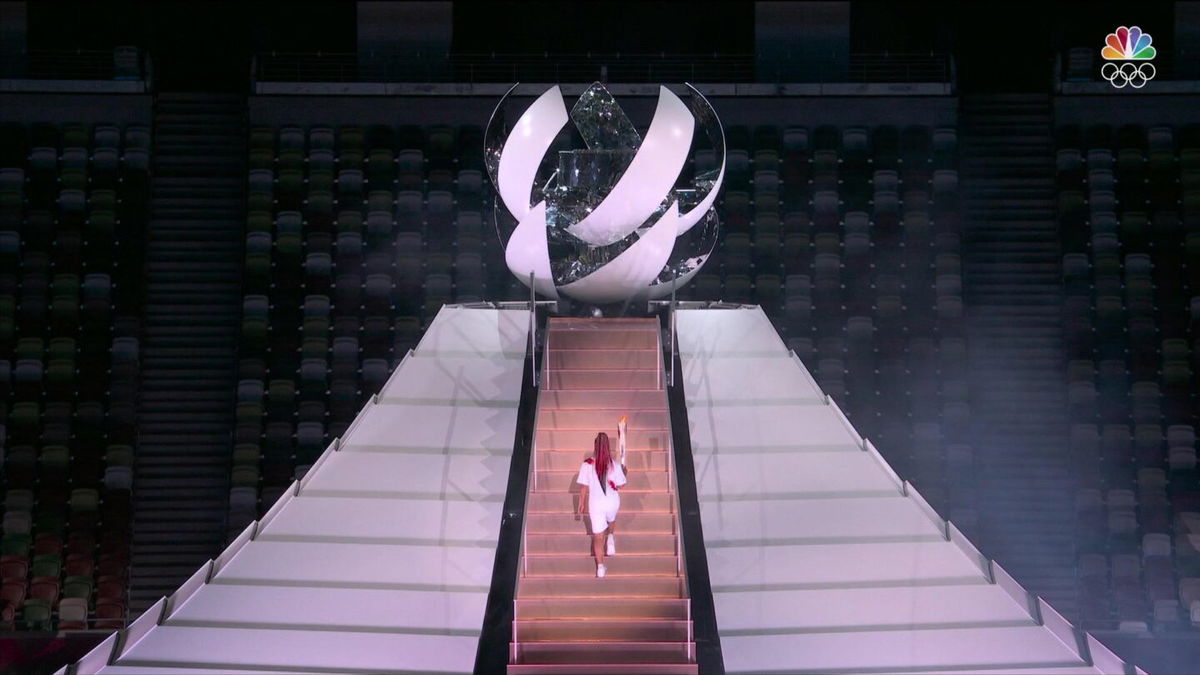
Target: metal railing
[671, 306]
[533, 331]
[345, 67]
[673, 483]
[478, 68]
[121, 63]
[1082, 69]
[671, 337]
[530, 479]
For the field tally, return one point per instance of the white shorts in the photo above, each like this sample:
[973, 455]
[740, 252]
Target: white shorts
[603, 511]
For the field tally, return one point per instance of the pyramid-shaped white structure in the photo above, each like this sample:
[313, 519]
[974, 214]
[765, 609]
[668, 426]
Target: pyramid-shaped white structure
[380, 559]
[821, 559]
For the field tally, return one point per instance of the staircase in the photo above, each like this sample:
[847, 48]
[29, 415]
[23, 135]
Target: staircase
[637, 619]
[1014, 298]
[193, 305]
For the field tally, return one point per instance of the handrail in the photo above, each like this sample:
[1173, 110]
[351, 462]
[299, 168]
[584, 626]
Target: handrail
[672, 472]
[532, 330]
[530, 480]
[672, 336]
[496, 636]
[547, 383]
[545, 370]
[122, 63]
[701, 610]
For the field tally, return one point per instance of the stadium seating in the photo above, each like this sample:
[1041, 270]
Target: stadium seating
[1127, 199]
[355, 238]
[73, 206]
[849, 238]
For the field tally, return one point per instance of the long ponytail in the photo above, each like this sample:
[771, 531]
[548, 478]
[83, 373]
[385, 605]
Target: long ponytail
[603, 457]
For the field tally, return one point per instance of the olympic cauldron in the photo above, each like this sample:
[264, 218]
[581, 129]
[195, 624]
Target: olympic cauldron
[618, 219]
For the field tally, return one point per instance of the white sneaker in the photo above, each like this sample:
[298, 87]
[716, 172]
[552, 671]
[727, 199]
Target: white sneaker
[600, 571]
[612, 545]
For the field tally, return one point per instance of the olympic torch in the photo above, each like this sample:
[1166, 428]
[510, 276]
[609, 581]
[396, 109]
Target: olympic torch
[621, 433]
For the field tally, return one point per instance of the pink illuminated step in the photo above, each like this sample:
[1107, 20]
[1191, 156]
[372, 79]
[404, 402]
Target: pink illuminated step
[569, 460]
[604, 669]
[568, 522]
[608, 359]
[613, 399]
[603, 419]
[631, 502]
[582, 564]
[630, 543]
[639, 651]
[584, 439]
[607, 630]
[594, 607]
[638, 481]
[604, 379]
[591, 587]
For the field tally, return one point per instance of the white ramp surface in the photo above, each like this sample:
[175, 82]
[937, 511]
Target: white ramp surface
[380, 560]
[821, 559]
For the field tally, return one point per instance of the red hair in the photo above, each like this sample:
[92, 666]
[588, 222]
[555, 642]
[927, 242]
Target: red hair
[603, 458]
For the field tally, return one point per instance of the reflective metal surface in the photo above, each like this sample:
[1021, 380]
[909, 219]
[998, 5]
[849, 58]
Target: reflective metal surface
[603, 123]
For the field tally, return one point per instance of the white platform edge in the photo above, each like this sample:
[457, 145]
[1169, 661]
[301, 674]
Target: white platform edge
[142, 626]
[100, 656]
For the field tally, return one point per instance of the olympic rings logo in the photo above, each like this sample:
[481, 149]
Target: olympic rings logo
[1128, 73]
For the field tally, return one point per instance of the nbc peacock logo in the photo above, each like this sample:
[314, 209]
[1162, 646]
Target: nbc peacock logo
[1127, 54]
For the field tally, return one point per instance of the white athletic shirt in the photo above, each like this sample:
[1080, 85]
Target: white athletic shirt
[588, 477]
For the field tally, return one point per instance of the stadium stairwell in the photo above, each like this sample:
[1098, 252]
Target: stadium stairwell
[636, 619]
[189, 357]
[1014, 289]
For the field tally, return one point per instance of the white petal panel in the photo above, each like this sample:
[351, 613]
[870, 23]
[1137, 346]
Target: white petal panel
[528, 251]
[648, 180]
[632, 271]
[687, 220]
[690, 218]
[526, 146]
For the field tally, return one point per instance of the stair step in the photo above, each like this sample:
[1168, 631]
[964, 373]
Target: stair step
[573, 543]
[631, 501]
[569, 522]
[588, 586]
[603, 668]
[582, 439]
[605, 379]
[189, 345]
[570, 460]
[559, 419]
[583, 565]
[632, 652]
[596, 630]
[649, 482]
[605, 359]
[610, 607]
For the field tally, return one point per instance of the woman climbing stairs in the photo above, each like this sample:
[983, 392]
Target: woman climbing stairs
[637, 619]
